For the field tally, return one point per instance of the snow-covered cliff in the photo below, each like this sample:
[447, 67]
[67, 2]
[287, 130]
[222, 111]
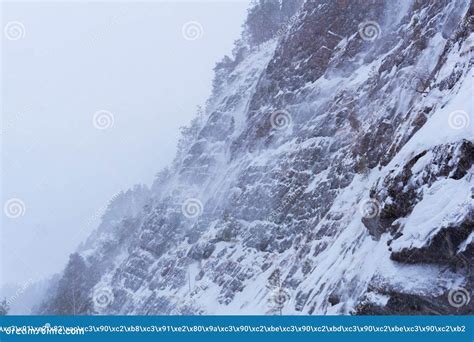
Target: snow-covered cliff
[330, 173]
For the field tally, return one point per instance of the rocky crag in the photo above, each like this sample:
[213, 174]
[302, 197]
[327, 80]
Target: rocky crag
[330, 173]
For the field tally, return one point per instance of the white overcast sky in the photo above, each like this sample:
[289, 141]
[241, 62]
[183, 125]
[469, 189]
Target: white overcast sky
[75, 59]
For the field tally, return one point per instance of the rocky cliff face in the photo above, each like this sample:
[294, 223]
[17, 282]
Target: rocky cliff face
[331, 173]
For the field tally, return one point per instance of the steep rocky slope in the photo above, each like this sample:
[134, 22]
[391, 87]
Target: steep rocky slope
[331, 173]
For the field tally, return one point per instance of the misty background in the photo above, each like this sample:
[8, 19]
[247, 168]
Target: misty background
[75, 59]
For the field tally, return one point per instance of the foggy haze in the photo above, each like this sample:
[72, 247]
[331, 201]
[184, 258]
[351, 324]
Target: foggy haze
[131, 63]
